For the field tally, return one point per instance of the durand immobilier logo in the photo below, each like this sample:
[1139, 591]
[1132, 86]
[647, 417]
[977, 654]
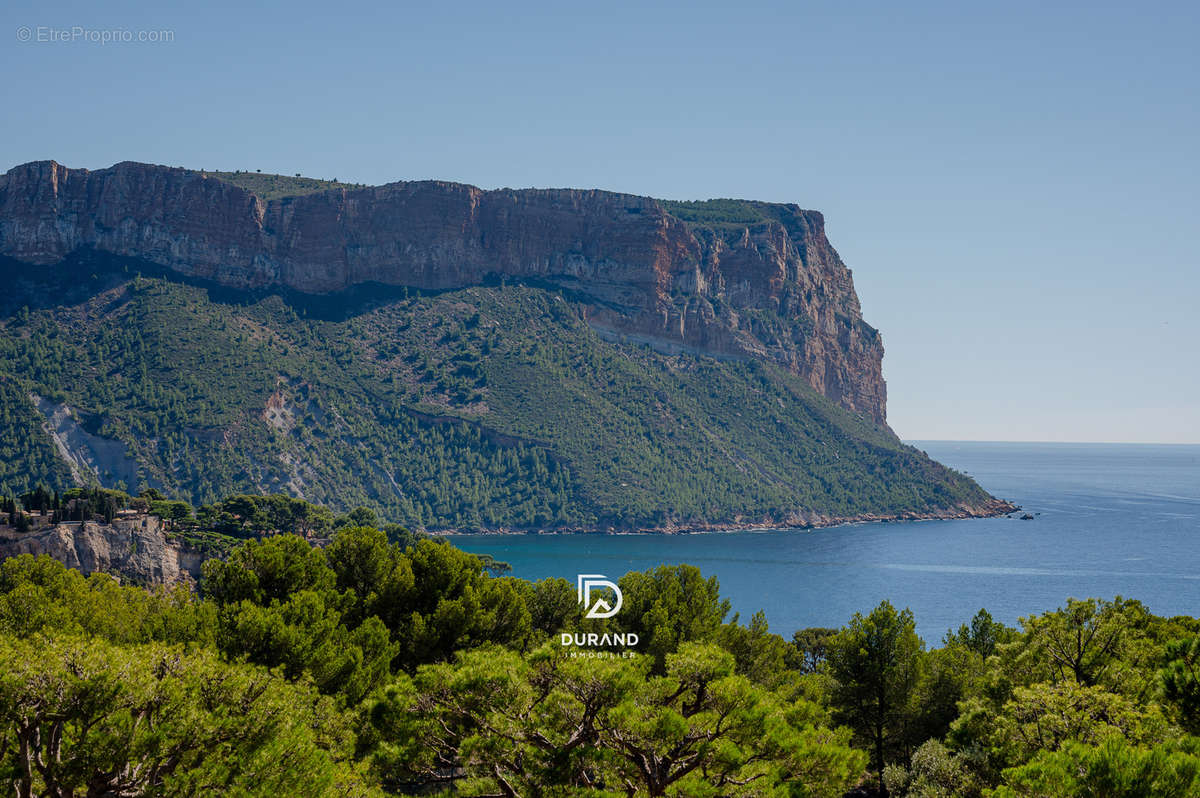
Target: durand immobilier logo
[599, 645]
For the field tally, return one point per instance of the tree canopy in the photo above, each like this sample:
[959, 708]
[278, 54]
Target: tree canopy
[391, 664]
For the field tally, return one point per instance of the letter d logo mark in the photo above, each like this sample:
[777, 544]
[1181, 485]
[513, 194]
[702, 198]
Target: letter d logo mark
[601, 609]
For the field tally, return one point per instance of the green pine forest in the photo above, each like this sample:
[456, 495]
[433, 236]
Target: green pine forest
[482, 408]
[396, 665]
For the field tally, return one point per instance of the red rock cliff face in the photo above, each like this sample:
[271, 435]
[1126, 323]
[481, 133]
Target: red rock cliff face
[774, 290]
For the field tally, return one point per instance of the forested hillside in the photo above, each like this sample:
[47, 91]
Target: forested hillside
[488, 407]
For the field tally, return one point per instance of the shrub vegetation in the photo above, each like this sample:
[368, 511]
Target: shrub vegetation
[483, 408]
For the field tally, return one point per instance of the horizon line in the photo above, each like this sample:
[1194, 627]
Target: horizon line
[1094, 443]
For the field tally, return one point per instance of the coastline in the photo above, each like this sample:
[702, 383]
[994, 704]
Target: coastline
[992, 509]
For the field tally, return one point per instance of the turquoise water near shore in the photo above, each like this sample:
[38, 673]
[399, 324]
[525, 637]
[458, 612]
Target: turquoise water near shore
[1109, 519]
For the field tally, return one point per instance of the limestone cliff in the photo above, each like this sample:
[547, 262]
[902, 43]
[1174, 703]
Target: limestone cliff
[772, 289]
[134, 549]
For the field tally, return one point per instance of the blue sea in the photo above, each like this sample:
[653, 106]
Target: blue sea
[1109, 519]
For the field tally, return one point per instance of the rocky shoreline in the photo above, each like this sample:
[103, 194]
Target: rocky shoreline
[992, 509]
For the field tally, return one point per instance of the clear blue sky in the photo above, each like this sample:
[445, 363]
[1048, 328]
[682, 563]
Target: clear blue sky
[1015, 186]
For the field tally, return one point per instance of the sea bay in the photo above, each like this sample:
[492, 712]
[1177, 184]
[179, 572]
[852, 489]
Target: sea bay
[1109, 519]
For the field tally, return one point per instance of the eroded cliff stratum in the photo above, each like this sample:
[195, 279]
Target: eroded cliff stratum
[762, 284]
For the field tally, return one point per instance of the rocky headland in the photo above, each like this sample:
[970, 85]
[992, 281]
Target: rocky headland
[771, 288]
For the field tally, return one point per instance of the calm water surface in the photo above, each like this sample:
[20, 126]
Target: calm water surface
[1110, 519]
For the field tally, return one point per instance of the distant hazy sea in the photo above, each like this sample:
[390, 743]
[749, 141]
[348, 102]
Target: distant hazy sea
[1109, 519]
